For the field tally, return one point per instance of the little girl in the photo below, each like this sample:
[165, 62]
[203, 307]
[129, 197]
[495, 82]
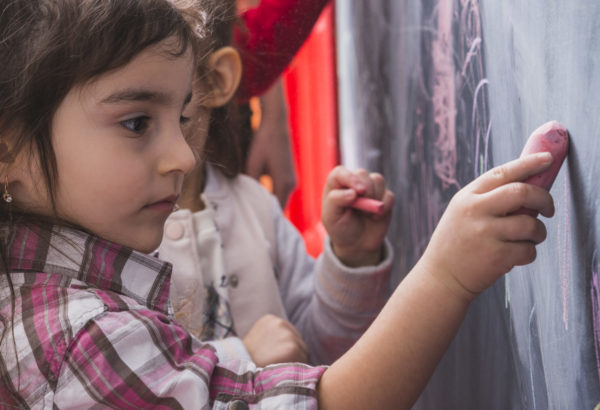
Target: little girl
[241, 268]
[93, 98]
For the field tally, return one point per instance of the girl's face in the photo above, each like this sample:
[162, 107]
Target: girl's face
[120, 150]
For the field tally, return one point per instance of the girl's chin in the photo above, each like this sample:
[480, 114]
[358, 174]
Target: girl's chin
[141, 240]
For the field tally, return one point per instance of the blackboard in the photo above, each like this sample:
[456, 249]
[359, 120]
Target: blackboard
[434, 92]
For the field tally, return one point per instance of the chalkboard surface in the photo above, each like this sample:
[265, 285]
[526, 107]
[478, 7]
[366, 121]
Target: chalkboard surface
[433, 93]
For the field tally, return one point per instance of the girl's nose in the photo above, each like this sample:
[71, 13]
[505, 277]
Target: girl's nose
[177, 155]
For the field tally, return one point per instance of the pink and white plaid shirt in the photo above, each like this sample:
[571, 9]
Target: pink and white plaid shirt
[92, 328]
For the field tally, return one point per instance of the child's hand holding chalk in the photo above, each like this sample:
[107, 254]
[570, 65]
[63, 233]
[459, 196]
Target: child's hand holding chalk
[550, 137]
[356, 213]
[477, 240]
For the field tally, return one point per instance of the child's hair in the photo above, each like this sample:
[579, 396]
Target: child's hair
[47, 47]
[223, 146]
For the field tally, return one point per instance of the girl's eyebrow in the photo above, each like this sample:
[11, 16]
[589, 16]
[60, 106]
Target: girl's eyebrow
[134, 95]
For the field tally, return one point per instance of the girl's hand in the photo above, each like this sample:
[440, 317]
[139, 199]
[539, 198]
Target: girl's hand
[478, 239]
[356, 236]
[274, 340]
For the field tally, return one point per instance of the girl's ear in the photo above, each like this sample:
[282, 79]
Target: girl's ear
[6, 158]
[225, 72]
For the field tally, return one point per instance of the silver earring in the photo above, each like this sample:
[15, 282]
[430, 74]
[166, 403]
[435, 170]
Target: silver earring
[7, 196]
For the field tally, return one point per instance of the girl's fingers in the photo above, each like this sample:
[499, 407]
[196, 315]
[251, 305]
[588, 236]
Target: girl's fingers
[371, 185]
[302, 346]
[378, 185]
[513, 196]
[388, 203]
[341, 178]
[388, 200]
[293, 329]
[341, 199]
[344, 186]
[363, 184]
[513, 171]
[509, 255]
[519, 228]
[522, 253]
[298, 338]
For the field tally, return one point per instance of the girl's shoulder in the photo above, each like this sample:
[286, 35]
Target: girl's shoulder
[59, 320]
[66, 301]
[245, 197]
[220, 186]
[241, 192]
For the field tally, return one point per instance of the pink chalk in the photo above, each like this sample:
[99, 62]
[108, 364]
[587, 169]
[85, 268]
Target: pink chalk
[550, 137]
[370, 205]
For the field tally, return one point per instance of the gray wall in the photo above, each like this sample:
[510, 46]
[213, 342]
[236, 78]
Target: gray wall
[433, 93]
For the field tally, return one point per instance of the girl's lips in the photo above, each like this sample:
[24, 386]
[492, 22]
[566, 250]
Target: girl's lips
[164, 205]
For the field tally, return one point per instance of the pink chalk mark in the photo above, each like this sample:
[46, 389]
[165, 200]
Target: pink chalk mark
[595, 296]
[448, 79]
[444, 98]
[564, 244]
[480, 166]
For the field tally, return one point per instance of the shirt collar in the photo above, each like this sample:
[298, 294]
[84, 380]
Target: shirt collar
[97, 262]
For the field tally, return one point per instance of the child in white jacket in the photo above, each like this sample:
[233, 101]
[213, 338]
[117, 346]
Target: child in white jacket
[241, 269]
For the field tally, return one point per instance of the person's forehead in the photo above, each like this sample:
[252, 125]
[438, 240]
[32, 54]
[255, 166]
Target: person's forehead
[153, 75]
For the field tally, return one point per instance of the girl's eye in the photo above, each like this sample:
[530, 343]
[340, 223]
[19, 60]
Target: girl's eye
[184, 120]
[137, 124]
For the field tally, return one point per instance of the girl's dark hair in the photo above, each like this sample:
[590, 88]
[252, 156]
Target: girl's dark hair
[49, 46]
[223, 147]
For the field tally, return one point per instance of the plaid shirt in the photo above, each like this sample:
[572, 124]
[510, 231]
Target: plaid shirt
[92, 328]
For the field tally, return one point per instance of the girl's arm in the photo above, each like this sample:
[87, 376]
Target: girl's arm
[139, 359]
[391, 364]
[329, 303]
[475, 243]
